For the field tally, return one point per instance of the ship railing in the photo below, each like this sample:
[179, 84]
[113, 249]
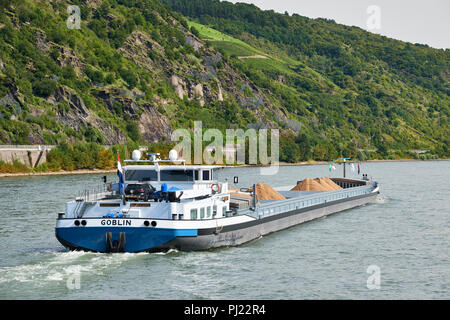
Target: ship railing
[96, 193]
[275, 207]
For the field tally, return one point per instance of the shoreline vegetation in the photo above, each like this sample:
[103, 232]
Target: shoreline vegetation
[283, 164]
[86, 158]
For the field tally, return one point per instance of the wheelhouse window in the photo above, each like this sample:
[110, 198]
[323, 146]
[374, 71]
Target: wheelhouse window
[208, 212]
[205, 175]
[193, 214]
[141, 175]
[202, 213]
[177, 175]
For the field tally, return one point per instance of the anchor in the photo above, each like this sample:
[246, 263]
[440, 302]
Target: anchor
[218, 230]
[113, 246]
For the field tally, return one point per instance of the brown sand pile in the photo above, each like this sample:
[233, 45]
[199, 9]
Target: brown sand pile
[332, 183]
[309, 185]
[328, 183]
[265, 192]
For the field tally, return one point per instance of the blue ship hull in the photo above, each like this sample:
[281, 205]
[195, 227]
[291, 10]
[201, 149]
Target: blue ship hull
[133, 239]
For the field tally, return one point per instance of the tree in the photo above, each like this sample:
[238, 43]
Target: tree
[304, 145]
[129, 76]
[94, 75]
[319, 152]
[350, 150]
[289, 150]
[106, 159]
[44, 87]
[133, 131]
[195, 32]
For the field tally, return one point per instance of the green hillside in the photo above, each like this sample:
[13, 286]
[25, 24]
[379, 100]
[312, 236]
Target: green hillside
[342, 83]
[137, 70]
[132, 73]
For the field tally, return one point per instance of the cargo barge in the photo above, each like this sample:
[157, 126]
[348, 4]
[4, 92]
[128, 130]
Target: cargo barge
[159, 205]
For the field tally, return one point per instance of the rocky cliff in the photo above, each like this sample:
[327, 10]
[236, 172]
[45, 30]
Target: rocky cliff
[146, 82]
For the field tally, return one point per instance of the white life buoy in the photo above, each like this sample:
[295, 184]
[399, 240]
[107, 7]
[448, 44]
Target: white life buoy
[215, 187]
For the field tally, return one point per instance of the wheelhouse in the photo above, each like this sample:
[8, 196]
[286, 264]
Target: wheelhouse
[170, 174]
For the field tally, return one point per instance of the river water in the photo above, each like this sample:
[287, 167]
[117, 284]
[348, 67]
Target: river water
[396, 248]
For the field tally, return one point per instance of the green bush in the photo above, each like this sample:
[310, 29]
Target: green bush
[43, 167]
[15, 167]
[195, 31]
[78, 156]
[68, 73]
[18, 131]
[92, 134]
[94, 75]
[129, 76]
[289, 150]
[58, 35]
[133, 131]
[44, 87]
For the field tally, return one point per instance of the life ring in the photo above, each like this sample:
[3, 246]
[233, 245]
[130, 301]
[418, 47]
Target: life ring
[215, 187]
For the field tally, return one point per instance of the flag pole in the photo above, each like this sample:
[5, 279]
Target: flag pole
[344, 159]
[344, 168]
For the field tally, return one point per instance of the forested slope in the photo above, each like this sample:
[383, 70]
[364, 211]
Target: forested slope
[137, 70]
[342, 83]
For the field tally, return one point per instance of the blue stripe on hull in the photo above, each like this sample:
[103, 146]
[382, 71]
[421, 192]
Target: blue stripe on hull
[136, 238]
